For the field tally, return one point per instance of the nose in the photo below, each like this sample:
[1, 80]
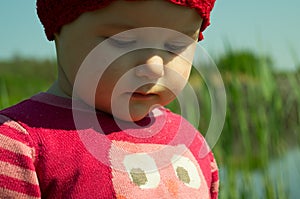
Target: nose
[153, 68]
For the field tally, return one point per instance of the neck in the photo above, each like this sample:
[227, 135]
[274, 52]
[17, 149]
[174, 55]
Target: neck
[55, 89]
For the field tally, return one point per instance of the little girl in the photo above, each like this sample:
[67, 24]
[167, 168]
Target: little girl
[97, 137]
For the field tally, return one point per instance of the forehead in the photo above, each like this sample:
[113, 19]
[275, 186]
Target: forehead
[126, 15]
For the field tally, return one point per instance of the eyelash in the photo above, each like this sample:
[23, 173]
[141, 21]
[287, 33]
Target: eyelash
[121, 43]
[124, 44]
[176, 48]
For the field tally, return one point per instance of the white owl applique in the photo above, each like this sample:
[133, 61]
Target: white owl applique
[155, 171]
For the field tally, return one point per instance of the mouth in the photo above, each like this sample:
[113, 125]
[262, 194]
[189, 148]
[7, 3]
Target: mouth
[141, 95]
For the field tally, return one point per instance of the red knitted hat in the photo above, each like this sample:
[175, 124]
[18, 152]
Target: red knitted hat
[56, 13]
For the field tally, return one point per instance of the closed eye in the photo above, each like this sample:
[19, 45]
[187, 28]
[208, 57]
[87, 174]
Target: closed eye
[121, 43]
[175, 47]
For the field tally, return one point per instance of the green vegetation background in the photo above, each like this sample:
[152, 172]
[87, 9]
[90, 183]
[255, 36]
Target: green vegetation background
[262, 121]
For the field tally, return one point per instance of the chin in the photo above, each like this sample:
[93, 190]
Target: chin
[134, 114]
[133, 117]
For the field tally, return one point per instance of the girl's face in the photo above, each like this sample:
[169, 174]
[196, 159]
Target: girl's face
[164, 73]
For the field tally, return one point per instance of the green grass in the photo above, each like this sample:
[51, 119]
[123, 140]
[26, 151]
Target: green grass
[262, 121]
[21, 78]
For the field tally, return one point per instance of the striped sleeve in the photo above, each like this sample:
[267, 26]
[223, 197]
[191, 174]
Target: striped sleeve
[214, 190]
[18, 178]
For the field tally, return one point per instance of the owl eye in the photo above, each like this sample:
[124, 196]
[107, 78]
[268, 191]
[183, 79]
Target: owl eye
[142, 170]
[186, 171]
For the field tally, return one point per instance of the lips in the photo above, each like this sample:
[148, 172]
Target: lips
[141, 95]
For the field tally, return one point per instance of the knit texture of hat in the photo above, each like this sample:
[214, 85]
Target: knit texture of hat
[54, 14]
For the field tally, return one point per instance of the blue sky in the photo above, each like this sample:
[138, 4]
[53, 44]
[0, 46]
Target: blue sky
[264, 26]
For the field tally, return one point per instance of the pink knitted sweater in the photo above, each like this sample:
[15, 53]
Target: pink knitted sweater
[43, 155]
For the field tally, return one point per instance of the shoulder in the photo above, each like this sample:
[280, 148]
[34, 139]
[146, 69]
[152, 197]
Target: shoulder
[15, 138]
[17, 161]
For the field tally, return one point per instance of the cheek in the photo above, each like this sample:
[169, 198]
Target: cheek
[186, 69]
[178, 72]
[181, 67]
[71, 59]
[112, 74]
[108, 85]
